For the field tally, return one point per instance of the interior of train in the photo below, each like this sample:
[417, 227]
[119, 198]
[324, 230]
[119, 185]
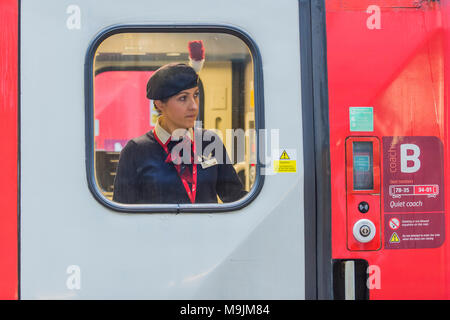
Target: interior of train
[124, 62]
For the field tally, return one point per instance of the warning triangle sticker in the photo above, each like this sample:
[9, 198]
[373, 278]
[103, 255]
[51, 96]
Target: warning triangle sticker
[394, 238]
[284, 156]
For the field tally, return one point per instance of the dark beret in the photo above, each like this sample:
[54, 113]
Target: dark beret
[171, 79]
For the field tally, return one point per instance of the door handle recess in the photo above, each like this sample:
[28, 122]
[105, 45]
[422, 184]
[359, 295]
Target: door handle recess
[350, 280]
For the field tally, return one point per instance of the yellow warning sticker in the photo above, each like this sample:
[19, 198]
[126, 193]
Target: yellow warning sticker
[286, 163]
[285, 166]
[284, 156]
[394, 238]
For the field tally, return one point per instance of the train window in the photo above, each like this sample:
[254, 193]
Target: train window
[204, 101]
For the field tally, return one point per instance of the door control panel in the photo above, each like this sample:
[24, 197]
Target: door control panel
[363, 193]
[364, 230]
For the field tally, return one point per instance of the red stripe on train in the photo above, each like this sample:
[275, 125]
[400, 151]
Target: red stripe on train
[9, 144]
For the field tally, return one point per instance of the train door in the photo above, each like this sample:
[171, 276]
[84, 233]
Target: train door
[388, 118]
[82, 67]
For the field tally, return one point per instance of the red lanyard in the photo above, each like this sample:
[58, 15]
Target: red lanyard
[191, 193]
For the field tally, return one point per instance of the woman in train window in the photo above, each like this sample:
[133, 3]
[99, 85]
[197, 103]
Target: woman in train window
[164, 165]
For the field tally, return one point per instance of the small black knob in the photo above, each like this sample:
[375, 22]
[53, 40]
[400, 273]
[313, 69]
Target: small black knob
[363, 207]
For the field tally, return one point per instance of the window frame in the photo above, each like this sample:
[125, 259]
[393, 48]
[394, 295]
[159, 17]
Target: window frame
[89, 119]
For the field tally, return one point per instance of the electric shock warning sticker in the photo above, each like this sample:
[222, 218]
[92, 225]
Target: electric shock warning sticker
[413, 189]
[287, 162]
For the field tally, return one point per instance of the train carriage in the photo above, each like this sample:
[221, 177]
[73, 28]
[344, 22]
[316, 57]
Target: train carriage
[333, 113]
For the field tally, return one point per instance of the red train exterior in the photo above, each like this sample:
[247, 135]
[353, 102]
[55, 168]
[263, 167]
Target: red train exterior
[9, 16]
[393, 56]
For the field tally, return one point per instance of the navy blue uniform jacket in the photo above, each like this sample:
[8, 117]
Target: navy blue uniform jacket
[143, 176]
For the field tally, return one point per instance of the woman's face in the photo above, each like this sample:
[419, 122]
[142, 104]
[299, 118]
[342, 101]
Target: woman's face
[180, 110]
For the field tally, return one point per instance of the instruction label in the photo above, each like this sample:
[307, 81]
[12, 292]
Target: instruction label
[413, 192]
[361, 118]
[414, 230]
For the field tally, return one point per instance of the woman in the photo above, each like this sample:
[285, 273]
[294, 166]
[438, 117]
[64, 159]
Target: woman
[164, 165]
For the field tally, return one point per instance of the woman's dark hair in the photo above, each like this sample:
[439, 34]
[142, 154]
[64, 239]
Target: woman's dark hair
[156, 108]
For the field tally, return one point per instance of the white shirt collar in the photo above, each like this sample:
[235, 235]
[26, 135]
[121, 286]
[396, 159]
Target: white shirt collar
[163, 135]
